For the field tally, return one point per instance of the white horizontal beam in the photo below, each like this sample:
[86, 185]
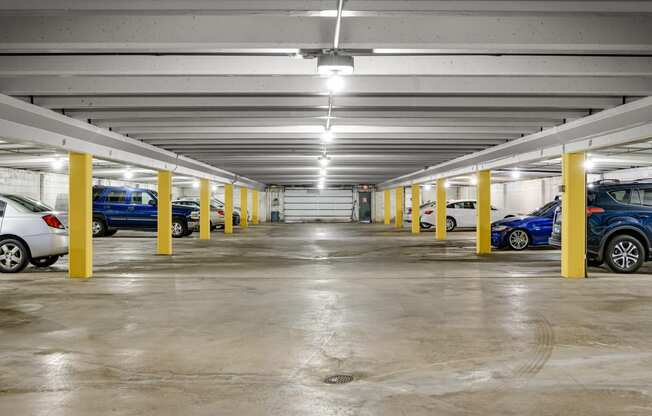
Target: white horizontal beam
[541, 33]
[314, 85]
[628, 123]
[448, 103]
[146, 65]
[26, 123]
[180, 137]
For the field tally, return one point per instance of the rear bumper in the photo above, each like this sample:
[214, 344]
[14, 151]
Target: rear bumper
[50, 244]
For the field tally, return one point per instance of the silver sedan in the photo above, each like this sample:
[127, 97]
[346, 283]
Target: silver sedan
[30, 232]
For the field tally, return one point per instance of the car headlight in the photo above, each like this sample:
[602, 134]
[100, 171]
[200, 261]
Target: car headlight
[500, 228]
[194, 215]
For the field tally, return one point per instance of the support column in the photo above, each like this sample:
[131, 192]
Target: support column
[387, 205]
[228, 209]
[441, 209]
[416, 209]
[80, 215]
[204, 209]
[164, 220]
[483, 210]
[254, 207]
[398, 218]
[244, 205]
[573, 216]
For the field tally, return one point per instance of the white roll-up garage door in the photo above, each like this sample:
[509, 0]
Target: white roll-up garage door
[311, 205]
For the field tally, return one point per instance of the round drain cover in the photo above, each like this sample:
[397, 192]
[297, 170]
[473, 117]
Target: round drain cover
[339, 379]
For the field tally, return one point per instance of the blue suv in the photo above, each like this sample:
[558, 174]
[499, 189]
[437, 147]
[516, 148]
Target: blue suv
[122, 208]
[619, 224]
[519, 233]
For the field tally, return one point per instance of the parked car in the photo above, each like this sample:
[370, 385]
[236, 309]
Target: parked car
[619, 225]
[123, 208]
[30, 232]
[459, 214]
[217, 210]
[519, 233]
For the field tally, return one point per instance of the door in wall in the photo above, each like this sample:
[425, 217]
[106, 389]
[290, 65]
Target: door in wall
[364, 207]
[318, 205]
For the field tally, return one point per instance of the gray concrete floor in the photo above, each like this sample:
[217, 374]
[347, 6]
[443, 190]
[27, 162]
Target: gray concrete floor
[251, 324]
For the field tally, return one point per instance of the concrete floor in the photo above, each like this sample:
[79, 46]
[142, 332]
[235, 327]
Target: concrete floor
[252, 323]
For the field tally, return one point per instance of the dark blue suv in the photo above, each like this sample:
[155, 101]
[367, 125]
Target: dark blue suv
[619, 224]
[122, 208]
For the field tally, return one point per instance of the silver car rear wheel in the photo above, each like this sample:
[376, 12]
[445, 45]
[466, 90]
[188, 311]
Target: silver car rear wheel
[13, 256]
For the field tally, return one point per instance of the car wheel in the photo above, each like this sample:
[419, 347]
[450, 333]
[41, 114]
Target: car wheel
[13, 256]
[46, 261]
[179, 228]
[99, 227]
[450, 223]
[111, 232]
[625, 254]
[213, 226]
[518, 240]
[425, 225]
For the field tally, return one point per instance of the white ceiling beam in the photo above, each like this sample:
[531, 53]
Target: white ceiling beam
[22, 122]
[581, 33]
[202, 137]
[147, 65]
[314, 85]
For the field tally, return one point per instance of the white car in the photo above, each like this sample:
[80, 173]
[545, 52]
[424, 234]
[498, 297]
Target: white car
[459, 214]
[30, 232]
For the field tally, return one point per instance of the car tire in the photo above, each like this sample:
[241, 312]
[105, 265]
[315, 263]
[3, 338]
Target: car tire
[179, 228]
[518, 239]
[450, 224]
[624, 254]
[99, 227]
[46, 261]
[13, 256]
[425, 225]
[110, 232]
[213, 227]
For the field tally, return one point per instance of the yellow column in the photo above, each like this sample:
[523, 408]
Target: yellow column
[441, 209]
[164, 222]
[416, 209]
[573, 220]
[244, 203]
[80, 215]
[388, 208]
[483, 212]
[228, 209]
[204, 209]
[254, 207]
[398, 218]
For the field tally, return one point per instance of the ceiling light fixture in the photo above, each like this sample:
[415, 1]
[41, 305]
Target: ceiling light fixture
[334, 64]
[195, 184]
[322, 172]
[516, 174]
[589, 164]
[335, 84]
[323, 160]
[327, 136]
[128, 174]
[474, 180]
[427, 187]
[57, 163]
[447, 184]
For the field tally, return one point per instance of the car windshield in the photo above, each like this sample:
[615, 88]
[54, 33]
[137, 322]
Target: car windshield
[543, 210]
[29, 204]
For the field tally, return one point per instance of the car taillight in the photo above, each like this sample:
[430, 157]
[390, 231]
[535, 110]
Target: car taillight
[220, 212]
[594, 210]
[53, 221]
[428, 212]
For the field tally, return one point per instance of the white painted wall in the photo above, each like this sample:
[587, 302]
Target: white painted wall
[192, 192]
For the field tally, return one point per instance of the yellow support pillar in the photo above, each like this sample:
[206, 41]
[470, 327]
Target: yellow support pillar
[204, 209]
[80, 215]
[228, 209]
[416, 209]
[254, 207]
[483, 211]
[573, 220]
[244, 203]
[441, 209]
[398, 218]
[164, 220]
[388, 208]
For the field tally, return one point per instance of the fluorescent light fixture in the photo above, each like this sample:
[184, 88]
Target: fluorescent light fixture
[322, 172]
[591, 185]
[447, 184]
[516, 174]
[427, 187]
[214, 188]
[128, 174]
[327, 136]
[589, 164]
[57, 163]
[195, 184]
[335, 84]
[335, 64]
[474, 180]
[323, 160]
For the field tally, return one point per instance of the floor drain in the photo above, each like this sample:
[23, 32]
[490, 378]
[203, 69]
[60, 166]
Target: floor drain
[339, 379]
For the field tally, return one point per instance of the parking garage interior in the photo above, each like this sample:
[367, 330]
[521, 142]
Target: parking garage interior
[295, 207]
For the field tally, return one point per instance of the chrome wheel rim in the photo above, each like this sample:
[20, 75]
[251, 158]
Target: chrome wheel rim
[177, 229]
[625, 255]
[518, 239]
[11, 256]
[449, 224]
[97, 227]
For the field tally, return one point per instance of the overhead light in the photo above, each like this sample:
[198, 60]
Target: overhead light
[335, 64]
[427, 187]
[57, 163]
[322, 172]
[516, 174]
[335, 84]
[128, 174]
[323, 160]
[447, 184]
[195, 184]
[214, 188]
[589, 164]
[474, 180]
[327, 136]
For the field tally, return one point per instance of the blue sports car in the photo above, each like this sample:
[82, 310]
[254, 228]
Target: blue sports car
[519, 233]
